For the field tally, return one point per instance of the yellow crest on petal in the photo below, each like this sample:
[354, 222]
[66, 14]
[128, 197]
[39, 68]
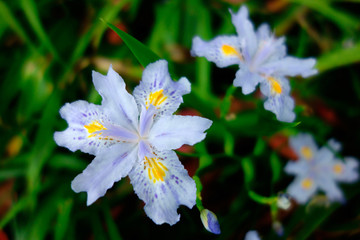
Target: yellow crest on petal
[156, 98]
[306, 152]
[228, 50]
[338, 168]
[156, 169]
[275, 85]
[307, 183]
[94, 127]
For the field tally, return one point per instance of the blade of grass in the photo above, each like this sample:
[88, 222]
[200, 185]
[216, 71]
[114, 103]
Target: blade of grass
[110, 223]
[344, 20]
[7, 16]
[31, 13]
[338, 58]
[142, 53]
[63, 219]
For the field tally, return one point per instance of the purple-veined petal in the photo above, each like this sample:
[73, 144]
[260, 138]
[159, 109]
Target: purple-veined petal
[87, 123]
[120, 104]
[304, 146]
[246, 79]
[145, 150]
[283, 107]
[268, 50]
[171, 132]
[302, 188]
[291, 66]
[245, 31]
[163, 184]
[146, 119]
[223, 50]
[252, 235]
[108, 166]
[158, 89]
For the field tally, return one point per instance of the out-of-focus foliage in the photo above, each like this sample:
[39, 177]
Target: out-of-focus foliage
[48, 50]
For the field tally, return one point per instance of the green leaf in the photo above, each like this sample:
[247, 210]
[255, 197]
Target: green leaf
[142, 53]
[199, 188]
[7, 17]
[338, 58]
[63, 218]
[260, 199]
[111, 225]
[248, 168]
[259, 146]
[33, 17]
[344, 20]
[275, 167]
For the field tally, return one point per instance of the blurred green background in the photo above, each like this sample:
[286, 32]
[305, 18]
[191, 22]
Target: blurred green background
[48, 50]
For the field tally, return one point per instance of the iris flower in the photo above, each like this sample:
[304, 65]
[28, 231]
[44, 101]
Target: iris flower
[318, 169]
[135, 136]
[262, 60]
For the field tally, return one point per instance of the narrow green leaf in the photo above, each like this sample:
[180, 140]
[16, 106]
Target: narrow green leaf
[229, 143]
[248, 168]
[62, 161]
[205, 159]
[259, 146]
[7, 16]
[344, 20]
[111, 225]
[142, 53]
[199, 188]
[338, 58]
[260, 199]
[33, 17]
[226, 102]
[275, 167]
[63, 218]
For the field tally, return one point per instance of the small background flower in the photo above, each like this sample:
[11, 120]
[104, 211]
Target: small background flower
[318, 169]
[262, 60]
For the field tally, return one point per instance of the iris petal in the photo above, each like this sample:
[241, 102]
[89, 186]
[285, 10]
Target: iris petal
[107, 167]
[164, 196]
[171, 132]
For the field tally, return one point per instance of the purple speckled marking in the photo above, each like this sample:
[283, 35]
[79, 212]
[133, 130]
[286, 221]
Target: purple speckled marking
[155, 195]
[177, 182]
[80, 138]
[163, 188]
[172, 92]
[84, 115]
[90, 143]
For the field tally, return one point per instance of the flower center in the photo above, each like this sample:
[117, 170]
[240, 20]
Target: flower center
[307, 183]
[307, 152]
[338, 168]
[156, 99]
[156, 169]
